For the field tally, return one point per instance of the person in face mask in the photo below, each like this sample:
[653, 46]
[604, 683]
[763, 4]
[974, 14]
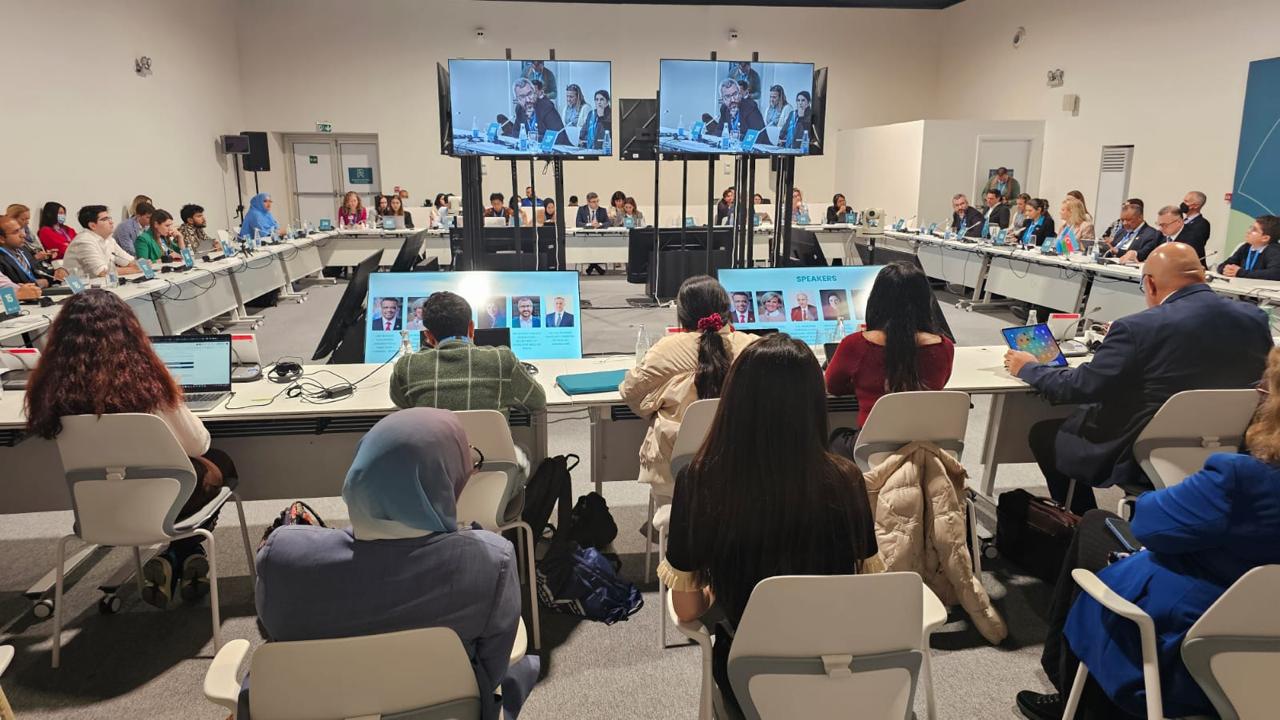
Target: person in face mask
[55, 235]
[1195, 228]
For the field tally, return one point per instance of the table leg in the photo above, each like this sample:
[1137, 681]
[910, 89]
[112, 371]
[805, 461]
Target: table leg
[989, 464]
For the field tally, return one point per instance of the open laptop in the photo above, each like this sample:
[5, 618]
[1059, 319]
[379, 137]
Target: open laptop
[201, 364]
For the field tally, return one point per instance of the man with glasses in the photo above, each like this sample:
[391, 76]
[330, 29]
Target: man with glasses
[1174, 229]
[738, 114]
[1259, 257]
[535, 113]
[1135, 239]
[90, 253]
[1188, 338]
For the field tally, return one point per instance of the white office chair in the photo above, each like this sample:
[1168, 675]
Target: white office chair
[422, 673]
[494, 496]
[128, 479]
[1233, 650]
[694, 426]
[6, 655]
[940, 417]
[816, 646]
[701, 636]
[1188, 428]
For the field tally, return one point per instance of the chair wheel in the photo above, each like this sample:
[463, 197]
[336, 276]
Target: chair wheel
[109, 604]
[989, 551]
[42, 609]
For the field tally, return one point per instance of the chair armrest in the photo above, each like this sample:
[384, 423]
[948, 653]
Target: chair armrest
[1099, 591]
[521, 644]
[6, 655]
[220, 684]
[662, 516]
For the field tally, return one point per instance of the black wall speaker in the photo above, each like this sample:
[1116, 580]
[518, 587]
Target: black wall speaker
[258, 159]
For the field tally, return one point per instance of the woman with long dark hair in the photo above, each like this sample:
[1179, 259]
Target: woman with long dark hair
[99, 361]
[764, 498]
[724, 208]
[902, 348]
[679, 369]
[54, 233]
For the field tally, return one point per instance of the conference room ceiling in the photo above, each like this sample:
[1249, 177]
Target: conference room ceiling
[894, 4]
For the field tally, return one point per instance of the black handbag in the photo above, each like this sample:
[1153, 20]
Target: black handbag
[1034, 533]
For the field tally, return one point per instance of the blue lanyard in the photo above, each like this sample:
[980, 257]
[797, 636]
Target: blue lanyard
[735, 122]
[460, 338]
[1031, 229]
[22, 263]
[533, 124]
[1252, 259]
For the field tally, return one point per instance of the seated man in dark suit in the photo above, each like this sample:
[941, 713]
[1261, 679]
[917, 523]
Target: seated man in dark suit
[592, 215]
[16, 261]
[1259, 257]
[1174, 229]
[1197, 227]
[996, 214]
[965, 220]
[736, 112]
[1189, 338]
[1136, 239]
[535, 113]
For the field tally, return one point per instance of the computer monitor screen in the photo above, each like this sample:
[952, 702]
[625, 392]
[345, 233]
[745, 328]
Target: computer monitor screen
[527, 108]
[735, 108]
[197, 362]
[541, 309]
[806, 303]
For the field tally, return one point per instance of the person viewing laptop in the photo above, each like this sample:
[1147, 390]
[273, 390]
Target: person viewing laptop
[193, 228]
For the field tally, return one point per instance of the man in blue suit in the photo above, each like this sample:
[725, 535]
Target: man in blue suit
[1189, 338]
[559, 318]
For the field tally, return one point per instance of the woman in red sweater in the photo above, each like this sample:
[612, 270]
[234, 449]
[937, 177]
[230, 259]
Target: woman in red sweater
[901, 348]
[55, 235]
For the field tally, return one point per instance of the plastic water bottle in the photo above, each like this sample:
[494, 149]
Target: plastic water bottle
[475, 130]
[608, 143]
[642, 345]
[113, 280]
[734, 139]
[724, 141]
[406, 347]
[1097, 251]
[680, 129]
[804, 143]
[523, 142]
[1032, 317]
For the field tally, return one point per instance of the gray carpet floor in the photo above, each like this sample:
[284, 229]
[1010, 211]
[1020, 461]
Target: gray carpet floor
[148, 663]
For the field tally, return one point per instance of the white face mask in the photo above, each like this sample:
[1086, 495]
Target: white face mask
[62, 219]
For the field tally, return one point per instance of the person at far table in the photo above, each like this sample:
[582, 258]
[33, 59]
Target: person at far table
[838, 211]
[1135, 239]
[451, 372]
[130, 228]
[901, 350]
[616, 201]
[1004, 185]
[498, 208]
[1197, 230]
[94, 249]
[98, 361]
[631, 216]
[16, 261]
[1018, 213]
[724, 209]
[397, 210]
[996, 214]
[598, 121]
[1075, 222]
[549, 211]
[158, 242]
[381, 204]
[558, 317]
[799, 208]
[763, 499]
[679, 369]
[193, 228]
[352, 212]
[24, 291]
[1188, 338]
[965, 220]
[405, 562]
[54, 233]
[259, 222]
[1039, 225]
[592, 216]
[1174, 229]
[1259, 257]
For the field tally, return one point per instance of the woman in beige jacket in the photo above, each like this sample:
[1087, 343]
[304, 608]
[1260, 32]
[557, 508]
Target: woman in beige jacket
[679, 369]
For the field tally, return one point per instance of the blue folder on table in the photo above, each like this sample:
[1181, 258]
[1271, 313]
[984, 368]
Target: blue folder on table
[592, 382]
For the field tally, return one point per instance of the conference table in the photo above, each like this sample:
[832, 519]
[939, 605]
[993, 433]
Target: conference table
[287, 447]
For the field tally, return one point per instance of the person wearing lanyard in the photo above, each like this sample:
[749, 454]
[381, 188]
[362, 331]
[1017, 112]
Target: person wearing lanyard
[1259, 257]
[1039, 224]
[1137, 239]
[535, 113]
[16, 262]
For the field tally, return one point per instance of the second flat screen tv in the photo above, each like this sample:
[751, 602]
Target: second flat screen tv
[714, 107]
[531, 108]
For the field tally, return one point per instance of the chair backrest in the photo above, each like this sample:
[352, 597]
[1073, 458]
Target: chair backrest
[373, 676]
[1188, 428]
[488, 432]
[694, 426]
[127, 475]
[937, 416]
[815, 646]
[1233, 650]
[224, 236]
[483, 500]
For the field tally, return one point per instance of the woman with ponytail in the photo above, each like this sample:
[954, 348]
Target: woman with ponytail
[901, 348]
[679, 369]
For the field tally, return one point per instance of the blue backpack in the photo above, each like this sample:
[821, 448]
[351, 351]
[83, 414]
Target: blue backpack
[583, 582]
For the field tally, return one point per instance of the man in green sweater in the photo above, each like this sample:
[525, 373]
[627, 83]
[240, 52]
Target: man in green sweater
[452, 373]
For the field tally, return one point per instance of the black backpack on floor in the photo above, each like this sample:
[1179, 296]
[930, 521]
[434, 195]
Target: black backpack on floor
[551, 485]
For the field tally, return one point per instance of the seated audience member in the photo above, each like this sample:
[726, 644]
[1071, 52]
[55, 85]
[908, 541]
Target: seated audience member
[996, 214]
[192, 228]
[779, 113]
[22, 214]
[1196, 233]
[381, 204]
[95, 249]
[762, 499]
[724, 208]
[1018, 212]
[396, 206]
[631, 215]
[98, 361]
[24, 291]
[1188, 338]
[902, 348]
[138, 201]
[1259, 257]
[1039, 225]
[352, 212]
[1173, 229]
[1135, 239]
[405, 562]
[799, 208]
[130, 228]
[598, 120]
[1004, 185]
[161, 241]
[1085, 206]
[965, 220]
[451, 372]
[549, 211]
[1199, 537]
[519, 216]
[616, 201]
[679, 369]
[573, 201]
[1075, 222]
[54, 233]
[259, 222]
[16, 261]
[497, 208]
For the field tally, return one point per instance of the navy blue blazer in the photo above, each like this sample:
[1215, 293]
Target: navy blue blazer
[971, 223]
[584, 217]
[1144, 241]
[1195, 340]
[1201, 536]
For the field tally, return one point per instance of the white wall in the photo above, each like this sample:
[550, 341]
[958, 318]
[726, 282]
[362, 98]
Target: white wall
[370, 67]
[1167, 76]
[87, 130]
[880, 167]
[950, 161]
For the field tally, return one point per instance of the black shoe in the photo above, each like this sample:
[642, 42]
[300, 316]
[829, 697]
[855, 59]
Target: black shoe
[195, 578]
[158, 574]
[1038, 706]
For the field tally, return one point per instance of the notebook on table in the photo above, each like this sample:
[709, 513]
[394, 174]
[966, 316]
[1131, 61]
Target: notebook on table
[592, 382]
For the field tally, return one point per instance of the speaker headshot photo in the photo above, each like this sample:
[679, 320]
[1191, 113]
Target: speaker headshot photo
[493, 314]
[526, 313]
[558, 317]
[387, 314]
[741, 311]
[770, 307]
[835, 305]
[804, 311]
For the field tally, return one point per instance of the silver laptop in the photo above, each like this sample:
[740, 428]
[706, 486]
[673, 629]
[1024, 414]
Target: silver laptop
[201, 364]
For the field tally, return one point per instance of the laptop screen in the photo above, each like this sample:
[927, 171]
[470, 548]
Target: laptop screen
[200, 363]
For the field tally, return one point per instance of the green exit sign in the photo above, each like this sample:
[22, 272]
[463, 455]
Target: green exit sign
[324, 127]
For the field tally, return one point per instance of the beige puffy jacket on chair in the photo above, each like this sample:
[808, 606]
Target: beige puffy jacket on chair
[917, 495]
